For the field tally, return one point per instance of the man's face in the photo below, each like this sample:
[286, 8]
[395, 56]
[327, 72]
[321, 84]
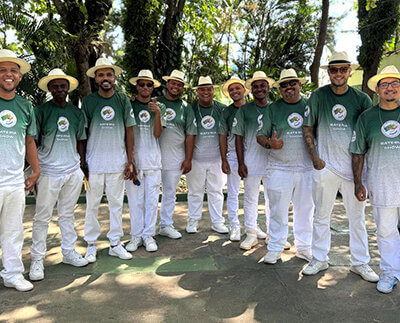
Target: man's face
[388, 89]
[260, 89]
[105, 78]
[175, 88]
[205, 94]
[339, 74]
[236, 92]
[59, 89]
[10, 76]
[145, 88]
[290, 90]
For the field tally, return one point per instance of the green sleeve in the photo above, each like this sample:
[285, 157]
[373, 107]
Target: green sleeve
[238, 123]
[223, 123]
[129, 117]
[190, 126]
[81, 133]
[311, 110]
[85, 112]
[266, 129]
[162, 108]
[366, 102]
[358, 143]
[32, 128]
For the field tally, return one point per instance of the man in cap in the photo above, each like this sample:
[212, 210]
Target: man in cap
[61, 129]
[289, 169]
[251, 157]
[109, 156]
[17, 131]
[206, 170]
[331, 114]
[143, 194]
[377, 136]
[176, 143]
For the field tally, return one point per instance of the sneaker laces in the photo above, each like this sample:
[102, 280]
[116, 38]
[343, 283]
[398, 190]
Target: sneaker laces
[37, 265]
[387, 277]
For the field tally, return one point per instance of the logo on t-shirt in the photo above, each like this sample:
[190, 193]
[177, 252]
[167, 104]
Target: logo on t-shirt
[339, 112]
[307, 111]
[144, 116]
[62, 124]
[353, 136]
[295, 120]
[195, 122]
[208, 122]
[234, 123]
[391, 129]
[132, 113]
[169, 114]
[107, 113]
[8, 119]
[260, 123]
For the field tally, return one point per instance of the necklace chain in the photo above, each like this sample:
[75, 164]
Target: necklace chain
[201, 116]
[380, 117]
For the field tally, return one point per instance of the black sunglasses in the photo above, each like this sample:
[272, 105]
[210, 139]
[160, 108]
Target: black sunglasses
[284, 85]
[146, 84]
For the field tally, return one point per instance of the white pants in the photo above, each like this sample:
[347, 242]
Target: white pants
[388, 239]
[143, 203]
[325, 187]
[170, 180]
[209, 176]
[113, 184]
[283, 187]
[232, 200]
[12, 205]
[250, 203]
[63, 190]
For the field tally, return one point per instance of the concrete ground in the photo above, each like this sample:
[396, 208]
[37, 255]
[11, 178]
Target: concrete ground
[202, 277]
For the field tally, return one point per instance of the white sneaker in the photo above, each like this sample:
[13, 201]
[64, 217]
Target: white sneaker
[250, 241]
[235, 234]
[75, 259]
[91, 252]
[36, 272]
[170, 232]
[366, 272]
[260, 233]
[192, 226]
[304, 254]
[134, 244]
[220, 228]
[272, 257]
[287, 246]
[21, 285]
[150, 244]
[386, 283]
[120, 252]
[314, 267]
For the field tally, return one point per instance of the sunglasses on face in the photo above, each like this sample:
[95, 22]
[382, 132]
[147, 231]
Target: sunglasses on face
[385, 85]
[146, 84]
[342, 70]
[284, 85]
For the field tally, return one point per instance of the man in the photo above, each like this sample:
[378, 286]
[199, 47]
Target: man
[331, 113]
[206, 170]
[17, 131]
[251, 157]
[61, 126]
[377, 138]
[289, 169]
[109, 156]
[143, 195]
[176, 143]
[235, 89]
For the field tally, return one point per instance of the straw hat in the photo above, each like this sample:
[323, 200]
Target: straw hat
[144, 75]
[103, 63]
[57, 74]
[177, 76]
[257, 76]
[287, 75]
[7, 55]
[339, 58]
[387, 71]
[205, 81]
[233, 80]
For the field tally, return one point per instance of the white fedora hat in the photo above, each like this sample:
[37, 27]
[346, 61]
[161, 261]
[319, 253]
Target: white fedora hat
[144, 75]
[103, 63]
[233, 80]
[177, 76]
[387, 71]
[205, 81]
[7, 55]
[57, 74]
[287, 75]
[258, 76]
[339, 58]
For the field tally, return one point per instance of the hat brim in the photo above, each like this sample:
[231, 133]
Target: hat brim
[24, 67]
[206, 85]
[353, 66]
[268, 79]
[277, 83]
[374, 80]
[225, 87]
[92, 71]
[134, 80]
[44, 81]
[167, 78]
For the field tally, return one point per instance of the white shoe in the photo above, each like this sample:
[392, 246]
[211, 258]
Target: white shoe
[150, 244]
[272, 257]
[287, 246]
[91, 252]
[36, 272]
[235, 234]
[192, 226]
[134, 244]
[21, 285]
[75, 259]
[314, 267]
[260, 233]
[120, 252]
[250, 241]
[170, 232]
[304, 254]
[366, 272]
[220, 228]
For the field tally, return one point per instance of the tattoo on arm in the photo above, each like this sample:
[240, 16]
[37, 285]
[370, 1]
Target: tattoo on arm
[308, 137]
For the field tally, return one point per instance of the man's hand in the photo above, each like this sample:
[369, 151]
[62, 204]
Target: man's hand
[186, 166]
[226, 169]
[243, 171]
[360, 192]
[275, 142]
[31, 181]
[85, 170]
[130, 172]
[153, 106]
[318, 163]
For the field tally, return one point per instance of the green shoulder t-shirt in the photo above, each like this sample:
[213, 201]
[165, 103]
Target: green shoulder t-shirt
[225, 128]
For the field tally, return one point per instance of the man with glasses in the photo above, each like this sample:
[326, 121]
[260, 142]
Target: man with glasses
[377, 136]
[288, 169]
[331, 114]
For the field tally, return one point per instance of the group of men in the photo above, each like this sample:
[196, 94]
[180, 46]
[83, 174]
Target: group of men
[302, 151]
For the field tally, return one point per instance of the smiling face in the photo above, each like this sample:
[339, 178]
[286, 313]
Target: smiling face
[205, 95]
[10, 76]
[290, 91]
[388, 89]
[174, 89]
[339, 74]
[59, 90]
[105, 79]
[236, 92]
[145, 89]
[260, 89]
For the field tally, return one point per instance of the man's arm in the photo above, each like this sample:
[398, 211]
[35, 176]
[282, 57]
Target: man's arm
[32, 158]
[240, 155]
[81, 147]
[308, 137]
[223, 149]
[357, 163]
[157, 127]
[130, 171]
[270, 143]
[189, 146]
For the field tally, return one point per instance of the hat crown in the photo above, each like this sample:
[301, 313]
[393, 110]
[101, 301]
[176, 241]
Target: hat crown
[259, 74]
[103, 61]
[145, 74]
[390, 69]
[288, 73]
[339, 56]
[7, 53]
[178, 74]
[205, 80]
[56, 71]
